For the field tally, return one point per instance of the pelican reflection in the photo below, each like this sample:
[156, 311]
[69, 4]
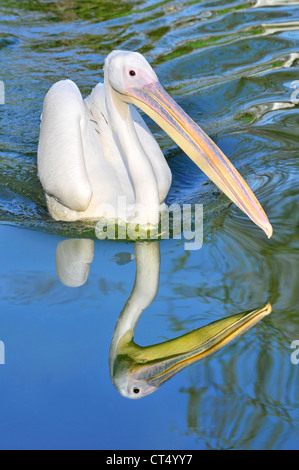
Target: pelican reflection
[73, 259]
[137, 371]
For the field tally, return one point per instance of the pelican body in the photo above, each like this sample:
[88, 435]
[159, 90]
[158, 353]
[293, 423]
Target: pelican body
[94, 151]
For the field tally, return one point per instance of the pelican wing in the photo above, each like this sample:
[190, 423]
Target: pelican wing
[61, 162]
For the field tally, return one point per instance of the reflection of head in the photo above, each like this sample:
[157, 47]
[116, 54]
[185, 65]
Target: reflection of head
[138, 371]
[123, 258]
[73, 258]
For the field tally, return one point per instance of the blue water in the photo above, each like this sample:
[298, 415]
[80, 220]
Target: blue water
[230, 65]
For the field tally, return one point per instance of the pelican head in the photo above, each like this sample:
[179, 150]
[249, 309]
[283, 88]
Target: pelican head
[133, 80]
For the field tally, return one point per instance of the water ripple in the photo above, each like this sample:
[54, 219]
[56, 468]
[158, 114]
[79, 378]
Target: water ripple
[232, 67]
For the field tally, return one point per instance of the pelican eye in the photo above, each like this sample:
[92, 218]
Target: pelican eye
[132, 73]
[136, 390]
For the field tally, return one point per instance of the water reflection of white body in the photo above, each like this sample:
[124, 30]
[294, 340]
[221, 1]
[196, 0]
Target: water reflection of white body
[137, 371]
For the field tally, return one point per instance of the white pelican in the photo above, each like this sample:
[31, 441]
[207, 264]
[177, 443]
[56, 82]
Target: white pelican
[137, 371]
[94, 151]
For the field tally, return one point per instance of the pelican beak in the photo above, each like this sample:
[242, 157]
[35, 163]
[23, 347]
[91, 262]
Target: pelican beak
[157, 364]
[154, 101]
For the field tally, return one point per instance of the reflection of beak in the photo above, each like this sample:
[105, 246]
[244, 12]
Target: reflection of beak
[154, 101]
[157, 364]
